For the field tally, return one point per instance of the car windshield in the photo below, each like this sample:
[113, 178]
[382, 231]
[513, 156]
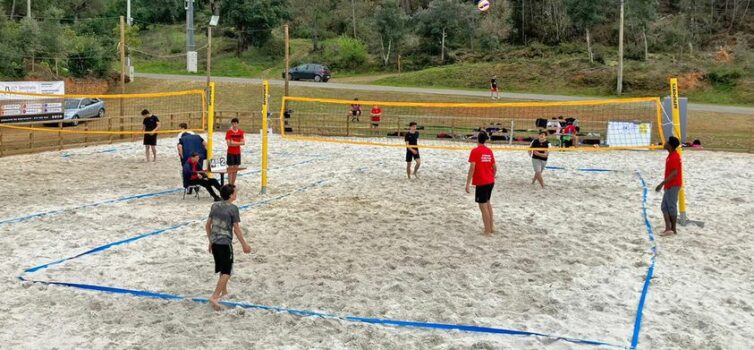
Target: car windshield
[71, 104]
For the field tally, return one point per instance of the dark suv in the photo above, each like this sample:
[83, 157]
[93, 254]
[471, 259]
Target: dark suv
[316, 72]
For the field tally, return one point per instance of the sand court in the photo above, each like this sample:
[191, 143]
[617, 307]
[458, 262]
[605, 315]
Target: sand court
[342, 233]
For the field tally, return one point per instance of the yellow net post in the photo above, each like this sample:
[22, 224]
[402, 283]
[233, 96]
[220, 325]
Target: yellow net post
[265, 108]
[683, 219]
[211, 119]
[675, 104]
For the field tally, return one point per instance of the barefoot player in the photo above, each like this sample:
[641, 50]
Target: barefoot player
[412, 153]
[223, 221]
[672, 185]
[482, 171]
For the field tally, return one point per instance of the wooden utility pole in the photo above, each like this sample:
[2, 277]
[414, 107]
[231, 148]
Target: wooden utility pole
[287, 57]
[353, 15]
[619, 89]
[209, 53]
[442, 43]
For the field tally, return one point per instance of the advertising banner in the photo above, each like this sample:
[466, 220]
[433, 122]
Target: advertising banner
[15, 108]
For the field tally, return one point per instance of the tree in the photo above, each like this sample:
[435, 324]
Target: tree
[391, 23]
[639, 15]
[494, 27]
[163, 11]
[253, 20]
[29, 39]
[585, 14]
[444, 22]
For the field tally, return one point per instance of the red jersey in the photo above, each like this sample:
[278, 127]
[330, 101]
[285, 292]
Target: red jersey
[194, 169]
[484, 160]
[570, 129]
[376, 114]
[236, 136]
[673, 162]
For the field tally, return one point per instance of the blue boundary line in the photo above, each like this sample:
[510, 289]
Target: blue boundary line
[590, 170]
[650, 270]
[121, 199]
[389, 322]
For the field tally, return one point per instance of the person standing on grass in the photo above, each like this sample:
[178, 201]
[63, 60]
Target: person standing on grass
[235, 139]
[150, 123]
[539, 158]
[672, 185]
[494, 94]
[482, 171]
[224, 220]
[412, 153]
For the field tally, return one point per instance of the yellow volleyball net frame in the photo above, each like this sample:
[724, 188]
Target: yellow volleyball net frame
[120, 113]
[327, 120]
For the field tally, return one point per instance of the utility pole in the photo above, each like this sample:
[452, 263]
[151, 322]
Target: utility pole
[287, 53]
[28, 9]
[129, 21]
[191, 57]
[209, 53]
[620, 51]
[353, 15]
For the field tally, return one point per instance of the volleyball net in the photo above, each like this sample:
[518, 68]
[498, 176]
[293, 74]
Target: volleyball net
[38, 121]
[633, 123]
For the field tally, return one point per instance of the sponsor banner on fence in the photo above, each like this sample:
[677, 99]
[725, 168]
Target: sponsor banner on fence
[16, 108]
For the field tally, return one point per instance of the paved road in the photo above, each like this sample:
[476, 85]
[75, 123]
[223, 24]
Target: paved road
[361, 87]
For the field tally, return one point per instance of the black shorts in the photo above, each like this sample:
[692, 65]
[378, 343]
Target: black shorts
[483, 193]
[411, 156]
[355, 113]
[150, 140]
[223, 255]
[233, 159]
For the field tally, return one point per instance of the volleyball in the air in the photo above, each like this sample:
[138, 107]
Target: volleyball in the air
[483, 5]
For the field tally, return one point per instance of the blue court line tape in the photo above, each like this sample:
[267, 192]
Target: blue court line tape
[591, 170]
[594, 170]
[69, 154]
[389, 322]
[105, 247]
[90, 205]
[126, 198]
[307, 313]
[650, 270]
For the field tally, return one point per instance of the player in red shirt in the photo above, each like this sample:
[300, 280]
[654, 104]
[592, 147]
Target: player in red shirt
[482, 171]
[376, 116]
[672, 185]
[235, 139]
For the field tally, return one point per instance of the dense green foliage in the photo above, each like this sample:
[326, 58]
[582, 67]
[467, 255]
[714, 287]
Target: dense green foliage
[80, 37]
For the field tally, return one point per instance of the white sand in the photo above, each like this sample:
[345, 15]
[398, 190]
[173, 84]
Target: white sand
[567, 261]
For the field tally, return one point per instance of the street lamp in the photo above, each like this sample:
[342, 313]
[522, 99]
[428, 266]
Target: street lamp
[212, 23]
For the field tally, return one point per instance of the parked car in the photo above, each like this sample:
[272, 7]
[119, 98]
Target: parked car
[83, 108]
[316, 72]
